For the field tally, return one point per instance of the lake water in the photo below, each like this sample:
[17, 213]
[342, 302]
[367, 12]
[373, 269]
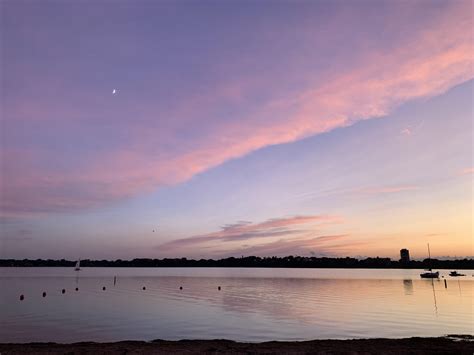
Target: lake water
[252, 305]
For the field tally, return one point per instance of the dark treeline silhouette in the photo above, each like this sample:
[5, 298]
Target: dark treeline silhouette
[255, 261]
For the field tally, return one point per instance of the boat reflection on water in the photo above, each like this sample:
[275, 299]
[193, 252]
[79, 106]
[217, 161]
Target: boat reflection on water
[434, 298]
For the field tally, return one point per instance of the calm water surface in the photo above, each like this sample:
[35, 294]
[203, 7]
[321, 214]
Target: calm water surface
[252, 305]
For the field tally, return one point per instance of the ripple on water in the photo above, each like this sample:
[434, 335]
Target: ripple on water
[261, 307]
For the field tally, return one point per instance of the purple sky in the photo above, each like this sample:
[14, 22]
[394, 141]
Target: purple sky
[237, 127]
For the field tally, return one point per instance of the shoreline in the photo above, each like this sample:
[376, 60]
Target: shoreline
[464, 263]
[444, 268]
[452, 344]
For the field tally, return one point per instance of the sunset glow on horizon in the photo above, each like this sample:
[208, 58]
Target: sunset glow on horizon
[215, 129]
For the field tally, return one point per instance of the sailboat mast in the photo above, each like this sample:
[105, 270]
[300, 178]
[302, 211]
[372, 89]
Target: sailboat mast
[429, 257]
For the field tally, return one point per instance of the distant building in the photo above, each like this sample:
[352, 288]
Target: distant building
[404, 256]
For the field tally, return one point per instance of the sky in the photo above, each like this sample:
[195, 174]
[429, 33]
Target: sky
[213, 129]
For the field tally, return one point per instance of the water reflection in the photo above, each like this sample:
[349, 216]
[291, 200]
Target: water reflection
[245, 308]
[408, 287]
[459, 286]
[434, 297]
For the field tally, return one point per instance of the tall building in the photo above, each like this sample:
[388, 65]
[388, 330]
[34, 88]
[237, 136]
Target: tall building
[404, 256]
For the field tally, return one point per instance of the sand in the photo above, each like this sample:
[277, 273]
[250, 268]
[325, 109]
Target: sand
[444, 345]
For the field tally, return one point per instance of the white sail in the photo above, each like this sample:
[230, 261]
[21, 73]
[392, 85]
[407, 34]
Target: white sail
[78, 265]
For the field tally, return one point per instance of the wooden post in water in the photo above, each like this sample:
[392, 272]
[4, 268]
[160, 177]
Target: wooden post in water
[445, 284]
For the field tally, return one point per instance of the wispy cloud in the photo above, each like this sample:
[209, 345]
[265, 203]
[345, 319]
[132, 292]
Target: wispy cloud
[384, 189]
[426, 63]
[231, 234]
[359, 191]
[412, 129]
[467, 171]
[327, 245]
[406, 131]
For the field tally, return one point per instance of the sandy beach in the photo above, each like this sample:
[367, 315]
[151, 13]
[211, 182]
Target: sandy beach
[442, 345]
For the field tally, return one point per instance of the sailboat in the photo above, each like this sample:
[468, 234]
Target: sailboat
[430, 274]
[78, 265]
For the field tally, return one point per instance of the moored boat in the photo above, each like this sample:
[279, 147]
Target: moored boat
[430, 274]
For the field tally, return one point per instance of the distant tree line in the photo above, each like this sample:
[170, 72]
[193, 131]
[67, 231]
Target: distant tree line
[254, 261]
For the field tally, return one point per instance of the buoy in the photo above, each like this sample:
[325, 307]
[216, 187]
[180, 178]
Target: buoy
[77, 288]
[44, 294]
[22, 297]
[144, 288]
[219, 288]
[103, 288]
[180, 287]
[63, 291]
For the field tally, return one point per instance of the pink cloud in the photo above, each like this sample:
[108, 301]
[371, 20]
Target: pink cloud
[231, 234]
[426, 64]
[412, 129]
[406, 132]
[467, 171]
[324, 245]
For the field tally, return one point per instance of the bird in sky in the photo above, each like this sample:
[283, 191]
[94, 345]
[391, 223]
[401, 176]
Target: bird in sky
[114, 92]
